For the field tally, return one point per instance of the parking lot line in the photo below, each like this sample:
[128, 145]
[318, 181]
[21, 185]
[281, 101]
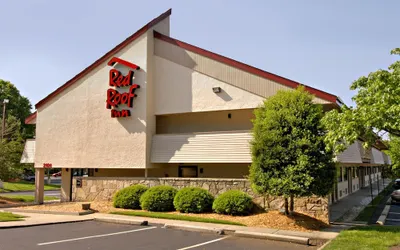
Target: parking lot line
[393, 213]
[204, 243]
[392, 219]
[95, 236]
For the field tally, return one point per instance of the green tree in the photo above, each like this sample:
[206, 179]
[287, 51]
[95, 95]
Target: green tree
[19, 107]
[394, 153]
[376, 113]
[10, 156]
[288, 150]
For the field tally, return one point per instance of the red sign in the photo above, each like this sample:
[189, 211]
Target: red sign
[114, 97]
[47, 165]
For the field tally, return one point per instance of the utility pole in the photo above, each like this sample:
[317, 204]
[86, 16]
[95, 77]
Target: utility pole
[3, 125]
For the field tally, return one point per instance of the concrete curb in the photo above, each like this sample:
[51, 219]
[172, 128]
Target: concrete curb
[44, 223]
[122, 221]
[220, 231]
[389, 201]
[277, 237]
[324, 245]
[384, 214]
[48, 212]
[198, 228]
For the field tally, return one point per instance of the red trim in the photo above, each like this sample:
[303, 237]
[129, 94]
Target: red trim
[245, 67]
[126, 63]
[120, 46]
[30, 118]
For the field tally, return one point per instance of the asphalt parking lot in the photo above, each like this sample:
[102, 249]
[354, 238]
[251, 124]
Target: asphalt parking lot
[393, 217]
[106, 236]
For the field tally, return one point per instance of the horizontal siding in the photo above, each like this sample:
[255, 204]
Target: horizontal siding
[202, 148]
[223, 72]
[28, 156]
[377, 156]
[351, 154]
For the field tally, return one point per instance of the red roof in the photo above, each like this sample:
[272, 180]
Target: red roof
[102, 59]
[245, 67]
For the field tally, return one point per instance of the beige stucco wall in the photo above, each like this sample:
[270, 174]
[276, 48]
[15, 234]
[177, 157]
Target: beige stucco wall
[65, 184]
[205, 121]
[179, 89]
[75, 129]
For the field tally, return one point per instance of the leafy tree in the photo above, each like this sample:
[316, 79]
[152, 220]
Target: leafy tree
[19, 107]
[288, 150]
[394, 153]
[10, 156]
[377, 111]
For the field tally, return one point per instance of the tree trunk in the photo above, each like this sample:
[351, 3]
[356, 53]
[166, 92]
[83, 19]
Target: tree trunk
[291, 209]
[286, 206]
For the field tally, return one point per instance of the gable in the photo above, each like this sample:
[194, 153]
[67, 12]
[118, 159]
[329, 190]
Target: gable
[240, 75]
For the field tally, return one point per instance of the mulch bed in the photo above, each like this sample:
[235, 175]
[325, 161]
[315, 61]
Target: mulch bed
[271, 219]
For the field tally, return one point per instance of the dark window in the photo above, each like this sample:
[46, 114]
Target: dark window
[345, 174]
[339, 174]
[188, 171]
[353, 170]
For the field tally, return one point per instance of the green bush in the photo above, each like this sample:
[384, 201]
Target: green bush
[233, 202]
[129, 197]
[193, 200]
[159, 198]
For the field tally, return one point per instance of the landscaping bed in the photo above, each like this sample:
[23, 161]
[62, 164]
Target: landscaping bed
[272, 219]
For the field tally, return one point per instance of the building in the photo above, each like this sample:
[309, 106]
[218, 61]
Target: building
[155, 106]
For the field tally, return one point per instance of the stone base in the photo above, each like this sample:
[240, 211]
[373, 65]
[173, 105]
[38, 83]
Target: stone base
[104, 188]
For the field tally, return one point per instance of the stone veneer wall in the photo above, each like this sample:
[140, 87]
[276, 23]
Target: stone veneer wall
[103, 189]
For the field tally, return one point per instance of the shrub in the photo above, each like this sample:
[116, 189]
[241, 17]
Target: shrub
[129, 197]
[193, 200]
[159, 198]
[233, 202]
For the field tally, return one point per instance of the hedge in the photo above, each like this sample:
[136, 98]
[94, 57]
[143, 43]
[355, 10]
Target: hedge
[233, 202]
[158, 198]
[129, 197]
[193, 200]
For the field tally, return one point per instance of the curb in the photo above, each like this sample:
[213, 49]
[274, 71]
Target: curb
[384, 214]
[44, 224]
[122, 221]
[277, 237]
[49, 212]
[389, 201]
[324, 245]
[220, 231]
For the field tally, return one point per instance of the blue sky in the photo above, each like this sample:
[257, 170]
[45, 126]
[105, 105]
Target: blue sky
[324, 44]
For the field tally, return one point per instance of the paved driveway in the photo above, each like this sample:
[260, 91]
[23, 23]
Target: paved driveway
[393, 217]
[56, 193]
[107, 236]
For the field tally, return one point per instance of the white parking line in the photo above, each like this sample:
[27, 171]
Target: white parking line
[393, 219]
[204, 243]
[393, 213]
[95, 236]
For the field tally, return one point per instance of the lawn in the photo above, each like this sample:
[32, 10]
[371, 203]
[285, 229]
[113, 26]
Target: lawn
[24, 186]
[368, 211]
[4, 216]
[25, 198]
[368, 238]
[176, 217]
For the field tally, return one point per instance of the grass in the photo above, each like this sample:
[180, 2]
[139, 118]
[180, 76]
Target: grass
[368, 211]
[24, 186]
[159, 215]
[25, 198]
[4, 216]
[368, 238]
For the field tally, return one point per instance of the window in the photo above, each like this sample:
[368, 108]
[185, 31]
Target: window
[339, 174]
[188, 171]
[353, 170]
[345, 174]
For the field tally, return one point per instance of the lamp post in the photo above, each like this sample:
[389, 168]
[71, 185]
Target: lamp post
[3, 125]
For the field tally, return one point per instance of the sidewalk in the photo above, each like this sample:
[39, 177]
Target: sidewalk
[35, 219]
[347, 209]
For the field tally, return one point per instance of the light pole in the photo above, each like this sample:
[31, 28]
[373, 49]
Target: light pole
[3, 125]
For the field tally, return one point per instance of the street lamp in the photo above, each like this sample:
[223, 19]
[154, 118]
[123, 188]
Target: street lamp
[5, 101]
